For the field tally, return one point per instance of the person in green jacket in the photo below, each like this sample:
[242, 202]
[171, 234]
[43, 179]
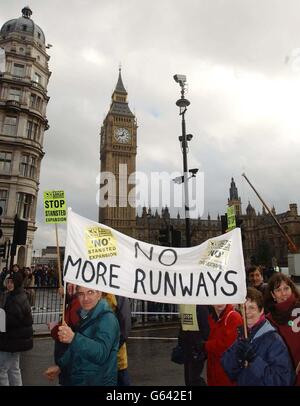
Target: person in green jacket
[91, 355]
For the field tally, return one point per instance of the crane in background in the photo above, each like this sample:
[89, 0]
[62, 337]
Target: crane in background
[292, 247]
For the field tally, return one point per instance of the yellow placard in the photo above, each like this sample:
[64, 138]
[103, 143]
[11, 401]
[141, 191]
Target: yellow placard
[231, 223]
[100, 242]
[188, 315]
[216, 254]
[55, 206]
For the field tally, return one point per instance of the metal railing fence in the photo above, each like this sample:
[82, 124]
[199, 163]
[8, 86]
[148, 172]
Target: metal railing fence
[46, 304]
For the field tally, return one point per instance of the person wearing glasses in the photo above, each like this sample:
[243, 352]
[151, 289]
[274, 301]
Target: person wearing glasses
[262, 359]
[90, 358]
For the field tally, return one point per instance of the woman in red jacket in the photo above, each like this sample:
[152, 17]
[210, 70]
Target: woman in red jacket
[223, 322]
[283, 301]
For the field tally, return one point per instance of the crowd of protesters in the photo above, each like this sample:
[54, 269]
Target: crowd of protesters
[90, 343]
[36, 275]
[264, 352]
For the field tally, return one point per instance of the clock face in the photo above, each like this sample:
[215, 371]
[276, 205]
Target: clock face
[122, 135]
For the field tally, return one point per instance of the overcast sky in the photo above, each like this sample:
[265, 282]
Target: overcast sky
[242, 61]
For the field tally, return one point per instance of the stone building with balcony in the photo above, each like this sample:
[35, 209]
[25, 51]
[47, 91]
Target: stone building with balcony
[24, 79]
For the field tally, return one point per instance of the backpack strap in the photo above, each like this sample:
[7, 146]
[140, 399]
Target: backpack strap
[231, 311]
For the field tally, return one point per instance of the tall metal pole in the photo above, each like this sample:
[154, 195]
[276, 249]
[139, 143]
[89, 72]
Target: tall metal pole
[182, 103]
[186, 189]
[148, 219]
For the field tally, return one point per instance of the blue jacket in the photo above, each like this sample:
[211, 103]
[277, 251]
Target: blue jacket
[91, 357]
[272, 365]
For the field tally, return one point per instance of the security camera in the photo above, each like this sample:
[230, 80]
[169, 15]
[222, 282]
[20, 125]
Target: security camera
[181, 79]
[194, 171]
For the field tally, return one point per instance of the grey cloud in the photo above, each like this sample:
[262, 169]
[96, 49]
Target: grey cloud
[154, 40]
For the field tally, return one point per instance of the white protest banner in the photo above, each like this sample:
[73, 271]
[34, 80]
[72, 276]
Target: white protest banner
[101, 258]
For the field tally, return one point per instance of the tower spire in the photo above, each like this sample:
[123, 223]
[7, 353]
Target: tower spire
[119, 103]
[233, 192]
[120, 87]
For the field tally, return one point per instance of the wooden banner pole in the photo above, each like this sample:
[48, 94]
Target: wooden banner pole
[245, 327]
[60, 273]
[58, 258]
[244, 320]
[64, 304]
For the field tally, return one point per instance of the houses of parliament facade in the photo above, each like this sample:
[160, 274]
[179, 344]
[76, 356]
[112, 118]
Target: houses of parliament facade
[262, 241]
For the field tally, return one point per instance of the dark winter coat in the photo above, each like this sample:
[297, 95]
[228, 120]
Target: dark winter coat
[192, 342]
[19, 333]
[272, 365]
[91, 357]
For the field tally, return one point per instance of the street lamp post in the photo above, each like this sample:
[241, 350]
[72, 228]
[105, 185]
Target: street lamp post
[148, 221]
[182, 103]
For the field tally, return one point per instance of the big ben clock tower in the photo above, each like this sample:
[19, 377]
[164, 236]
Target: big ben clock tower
[118, 161]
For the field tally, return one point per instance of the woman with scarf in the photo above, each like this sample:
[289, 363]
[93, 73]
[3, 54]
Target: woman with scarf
[283, 301]
[262, 359]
